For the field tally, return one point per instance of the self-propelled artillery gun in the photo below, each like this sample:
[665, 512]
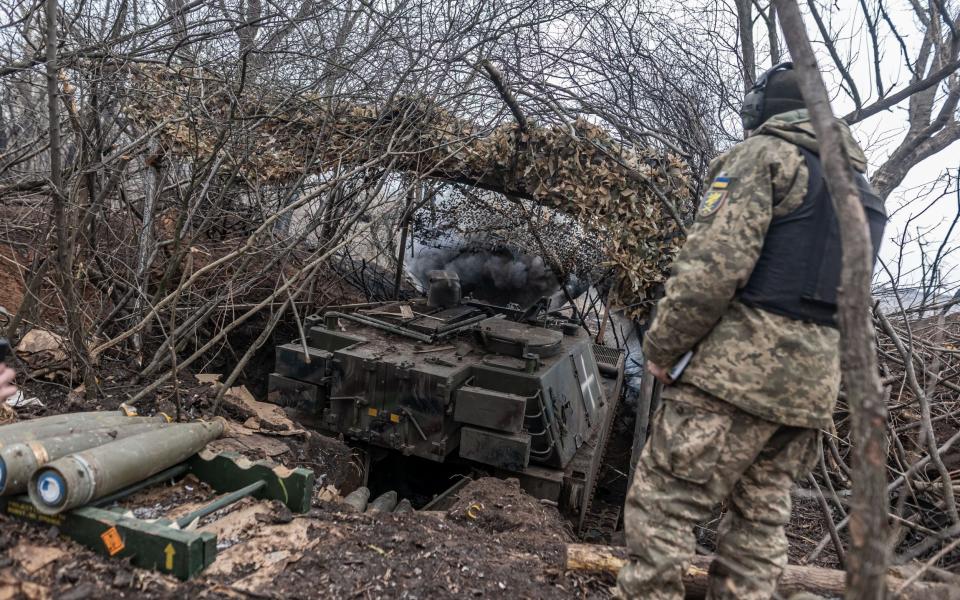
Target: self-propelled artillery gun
[517, 392]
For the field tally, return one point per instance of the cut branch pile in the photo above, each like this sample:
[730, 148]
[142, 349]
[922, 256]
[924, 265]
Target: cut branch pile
[633, 198]
[918, 358]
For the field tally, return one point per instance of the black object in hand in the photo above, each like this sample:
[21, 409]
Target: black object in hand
[5, 349]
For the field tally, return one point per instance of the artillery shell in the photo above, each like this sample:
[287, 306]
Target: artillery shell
[19, 461]
[403, 506]
[59, 425]
[59, 419]
[357, 499]
[76, 479]
[383, 503]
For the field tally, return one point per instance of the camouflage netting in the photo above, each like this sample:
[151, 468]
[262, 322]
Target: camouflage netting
[480, 221]
[612, 190]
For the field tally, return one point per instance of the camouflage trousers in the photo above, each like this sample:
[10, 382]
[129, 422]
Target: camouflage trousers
[703, 451]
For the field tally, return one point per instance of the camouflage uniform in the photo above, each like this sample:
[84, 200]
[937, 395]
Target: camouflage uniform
[742, 423]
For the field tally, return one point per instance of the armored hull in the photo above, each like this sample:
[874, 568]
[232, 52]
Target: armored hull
[519, 392]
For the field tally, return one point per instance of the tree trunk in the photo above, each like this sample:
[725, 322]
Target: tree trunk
[866, 564]
[64, 250]
[153, 186]
[748, 49]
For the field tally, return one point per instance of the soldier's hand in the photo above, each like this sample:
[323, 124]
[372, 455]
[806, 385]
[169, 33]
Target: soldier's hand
[7, 385]
[659, 372]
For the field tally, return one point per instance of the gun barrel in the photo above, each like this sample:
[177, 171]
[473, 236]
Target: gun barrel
[19, 461]
[76, 479]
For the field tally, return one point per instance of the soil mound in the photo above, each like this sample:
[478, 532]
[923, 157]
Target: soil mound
[501, 506]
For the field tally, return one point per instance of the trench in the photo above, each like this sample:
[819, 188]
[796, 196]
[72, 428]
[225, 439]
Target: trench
[417, 479]
[421, 480]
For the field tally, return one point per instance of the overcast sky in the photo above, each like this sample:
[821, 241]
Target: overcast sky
[880, 135]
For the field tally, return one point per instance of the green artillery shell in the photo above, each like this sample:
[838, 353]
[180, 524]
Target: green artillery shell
[383, 503]
[77, 479]
[357, 499]
[19, 461]
[60, 419]
[57, 425]
[403, 506]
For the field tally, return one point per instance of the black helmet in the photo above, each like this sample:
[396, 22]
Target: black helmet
[777, 90]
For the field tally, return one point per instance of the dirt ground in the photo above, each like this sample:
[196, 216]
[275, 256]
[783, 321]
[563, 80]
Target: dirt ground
[493, 541]
[11, 282]
[512, 546]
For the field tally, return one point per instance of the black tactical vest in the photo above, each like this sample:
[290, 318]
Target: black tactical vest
[798, 272]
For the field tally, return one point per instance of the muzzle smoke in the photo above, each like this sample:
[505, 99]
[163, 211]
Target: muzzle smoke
[498, 275]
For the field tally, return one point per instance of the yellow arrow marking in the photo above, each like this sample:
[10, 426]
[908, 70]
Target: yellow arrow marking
[169, 551]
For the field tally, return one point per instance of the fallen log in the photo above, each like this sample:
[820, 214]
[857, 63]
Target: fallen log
[815, 580]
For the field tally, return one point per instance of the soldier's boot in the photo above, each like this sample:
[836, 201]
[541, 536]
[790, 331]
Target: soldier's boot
[752, 549]
[699, 446]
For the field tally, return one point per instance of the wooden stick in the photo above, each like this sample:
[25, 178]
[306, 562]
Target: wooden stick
[933, 560]
[828, 520]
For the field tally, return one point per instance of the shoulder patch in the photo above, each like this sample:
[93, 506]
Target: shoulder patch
[720, 183]
[715, 196]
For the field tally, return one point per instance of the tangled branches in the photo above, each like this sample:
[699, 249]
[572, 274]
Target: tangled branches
[636, 200]
[919, 361]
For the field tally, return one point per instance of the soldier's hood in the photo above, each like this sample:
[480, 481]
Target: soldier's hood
[795, 127]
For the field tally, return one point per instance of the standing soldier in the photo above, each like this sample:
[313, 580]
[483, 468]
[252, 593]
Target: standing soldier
[754, 294]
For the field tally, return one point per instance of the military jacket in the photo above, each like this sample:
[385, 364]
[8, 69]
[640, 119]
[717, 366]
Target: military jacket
[775, 367]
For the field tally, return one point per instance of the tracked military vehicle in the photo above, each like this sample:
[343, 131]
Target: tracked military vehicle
[520, 392]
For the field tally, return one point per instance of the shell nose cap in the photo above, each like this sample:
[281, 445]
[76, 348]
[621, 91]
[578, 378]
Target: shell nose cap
[51, 488]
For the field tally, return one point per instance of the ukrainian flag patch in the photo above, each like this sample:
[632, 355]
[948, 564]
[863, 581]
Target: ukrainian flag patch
[716, 196]
[720, 183]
